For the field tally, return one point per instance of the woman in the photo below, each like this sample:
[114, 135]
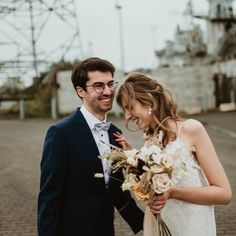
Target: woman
[186, 208]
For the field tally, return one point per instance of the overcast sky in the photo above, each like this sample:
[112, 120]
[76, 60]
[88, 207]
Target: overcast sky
[147, 24]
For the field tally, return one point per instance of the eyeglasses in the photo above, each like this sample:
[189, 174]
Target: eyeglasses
[99, 87]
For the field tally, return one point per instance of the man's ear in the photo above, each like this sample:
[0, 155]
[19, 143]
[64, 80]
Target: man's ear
[80, 91]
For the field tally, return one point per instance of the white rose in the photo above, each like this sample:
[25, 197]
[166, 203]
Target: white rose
[129, 183]
[147, 154]
[161, 182]
[131, 153]
[132, 161]
[145, 151]
[155, 149]
[157, 158]
[131, 156]
[168, 161]
[142, 157]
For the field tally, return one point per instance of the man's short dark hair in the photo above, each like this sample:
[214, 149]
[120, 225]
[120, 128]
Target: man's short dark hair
[80, 73]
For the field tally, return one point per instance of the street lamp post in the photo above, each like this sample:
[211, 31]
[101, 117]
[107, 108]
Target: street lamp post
[122, 55]
[33, 40]
[154, 38]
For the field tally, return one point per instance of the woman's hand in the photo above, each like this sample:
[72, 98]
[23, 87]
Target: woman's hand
[122, 141]
[158, 202]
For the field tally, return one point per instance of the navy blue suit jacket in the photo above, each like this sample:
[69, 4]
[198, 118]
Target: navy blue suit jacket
[72, 202]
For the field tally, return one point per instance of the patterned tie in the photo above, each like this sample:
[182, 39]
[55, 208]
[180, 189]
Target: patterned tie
[102, 126]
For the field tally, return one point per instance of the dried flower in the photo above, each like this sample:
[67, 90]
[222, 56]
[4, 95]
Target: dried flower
[148, 171]
[141, 193]
[161, 182]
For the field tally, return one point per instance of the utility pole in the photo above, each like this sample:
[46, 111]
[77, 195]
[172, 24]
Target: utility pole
[35, 63]
[78, 34]
[154, 38]
[122, 54]
[23, 23]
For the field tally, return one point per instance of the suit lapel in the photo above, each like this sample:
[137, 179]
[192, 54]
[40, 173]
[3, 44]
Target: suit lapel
[111, 137]
[88, 141]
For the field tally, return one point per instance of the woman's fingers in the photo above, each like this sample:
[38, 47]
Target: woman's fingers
[156, 209]
[158, 202]
[122, 141]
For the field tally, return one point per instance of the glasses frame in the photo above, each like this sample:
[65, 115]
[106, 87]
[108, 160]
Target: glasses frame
[112, 86]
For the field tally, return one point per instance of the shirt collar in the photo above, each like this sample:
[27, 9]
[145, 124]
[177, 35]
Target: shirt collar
[90, 118]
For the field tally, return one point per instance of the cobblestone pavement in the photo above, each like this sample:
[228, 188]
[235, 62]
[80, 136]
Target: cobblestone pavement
[20, 153]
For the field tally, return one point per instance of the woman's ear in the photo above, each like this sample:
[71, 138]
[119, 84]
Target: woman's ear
[80, 91]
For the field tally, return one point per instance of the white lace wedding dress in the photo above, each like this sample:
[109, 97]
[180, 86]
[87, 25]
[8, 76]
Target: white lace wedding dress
[182, 218]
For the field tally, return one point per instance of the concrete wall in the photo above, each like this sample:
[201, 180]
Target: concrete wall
[7, 105]
[191, 87]
[226, 67]
[67, 98]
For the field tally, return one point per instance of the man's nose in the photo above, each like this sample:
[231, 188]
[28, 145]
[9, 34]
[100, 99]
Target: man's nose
[107, 90]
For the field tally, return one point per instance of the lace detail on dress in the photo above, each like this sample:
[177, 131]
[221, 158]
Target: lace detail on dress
[182, 218]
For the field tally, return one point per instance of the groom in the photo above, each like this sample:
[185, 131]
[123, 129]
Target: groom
[77, 191]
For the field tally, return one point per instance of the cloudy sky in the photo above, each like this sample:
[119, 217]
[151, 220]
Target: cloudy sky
[147, 24]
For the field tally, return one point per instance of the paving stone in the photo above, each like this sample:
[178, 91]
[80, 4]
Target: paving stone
[20, 150]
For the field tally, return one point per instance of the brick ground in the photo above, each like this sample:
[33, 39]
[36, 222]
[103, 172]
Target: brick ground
[20, 154]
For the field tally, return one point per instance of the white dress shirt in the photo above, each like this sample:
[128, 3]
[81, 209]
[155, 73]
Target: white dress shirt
[99, 136]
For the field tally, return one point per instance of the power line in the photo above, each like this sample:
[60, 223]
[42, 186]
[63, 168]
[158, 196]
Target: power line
[30, 25]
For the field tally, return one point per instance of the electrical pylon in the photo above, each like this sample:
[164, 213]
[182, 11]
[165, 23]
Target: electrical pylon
[36, 33]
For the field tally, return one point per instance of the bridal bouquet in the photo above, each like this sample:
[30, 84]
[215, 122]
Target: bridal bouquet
[147, 171]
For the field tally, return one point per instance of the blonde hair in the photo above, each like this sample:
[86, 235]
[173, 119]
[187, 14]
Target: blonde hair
[149, 92]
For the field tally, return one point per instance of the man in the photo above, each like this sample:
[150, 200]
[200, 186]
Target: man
[77, 191]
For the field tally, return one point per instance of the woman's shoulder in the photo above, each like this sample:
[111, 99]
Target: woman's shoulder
[191, 126]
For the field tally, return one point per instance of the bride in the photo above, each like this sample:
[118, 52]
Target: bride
[188, 207]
